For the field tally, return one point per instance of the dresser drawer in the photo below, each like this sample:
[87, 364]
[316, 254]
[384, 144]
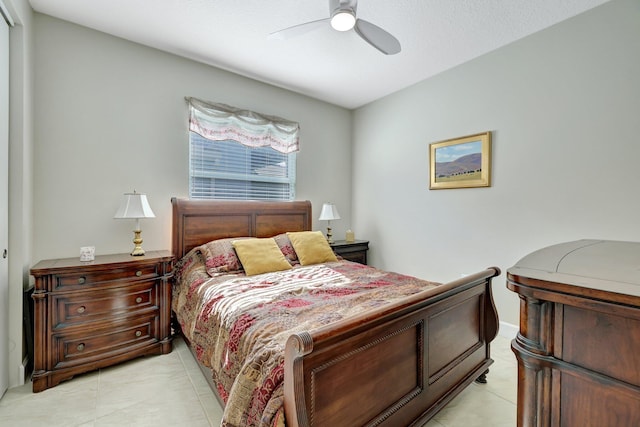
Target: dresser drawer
[79, 308]
[80, 280]
[83, 347]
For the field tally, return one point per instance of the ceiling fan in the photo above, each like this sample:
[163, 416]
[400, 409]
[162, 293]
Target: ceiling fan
[343, 18]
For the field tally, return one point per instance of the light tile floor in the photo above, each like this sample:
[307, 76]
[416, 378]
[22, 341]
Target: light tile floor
[170, 390]
[486, 405]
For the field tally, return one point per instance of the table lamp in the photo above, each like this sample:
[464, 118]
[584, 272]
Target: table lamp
[135, 206]
[329, 212]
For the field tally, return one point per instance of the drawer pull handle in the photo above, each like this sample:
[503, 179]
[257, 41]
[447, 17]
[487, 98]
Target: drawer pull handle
[81, 309]
[138, 333]
[139, 300]
[82, 280]
[138, 273]
[80, 347]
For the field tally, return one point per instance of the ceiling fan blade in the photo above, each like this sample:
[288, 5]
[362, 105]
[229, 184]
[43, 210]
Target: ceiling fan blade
[377, 37]
[298, 30]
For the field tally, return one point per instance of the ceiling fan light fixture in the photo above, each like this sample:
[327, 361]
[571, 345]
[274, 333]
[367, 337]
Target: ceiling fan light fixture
[343, 20]
[342, 16]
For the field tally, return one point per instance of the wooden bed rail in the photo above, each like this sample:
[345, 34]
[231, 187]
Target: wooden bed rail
[423, 350]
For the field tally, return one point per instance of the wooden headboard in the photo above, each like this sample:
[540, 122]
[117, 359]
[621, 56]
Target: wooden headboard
[196, 222]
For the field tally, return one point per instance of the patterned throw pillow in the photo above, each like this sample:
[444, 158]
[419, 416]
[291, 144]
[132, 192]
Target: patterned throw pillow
[220, 257]
[286, 248]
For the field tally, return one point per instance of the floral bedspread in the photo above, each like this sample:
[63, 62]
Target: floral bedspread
[239, 325]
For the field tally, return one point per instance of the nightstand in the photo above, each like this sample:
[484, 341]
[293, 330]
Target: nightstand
[353, 251]
[89, 315]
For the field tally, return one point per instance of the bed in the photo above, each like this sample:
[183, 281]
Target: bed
[395, 363]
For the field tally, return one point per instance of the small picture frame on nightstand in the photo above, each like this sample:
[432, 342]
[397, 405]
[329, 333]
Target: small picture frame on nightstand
[87, 253]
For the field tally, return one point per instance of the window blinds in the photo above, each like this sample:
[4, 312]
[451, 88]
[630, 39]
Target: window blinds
[230, 170]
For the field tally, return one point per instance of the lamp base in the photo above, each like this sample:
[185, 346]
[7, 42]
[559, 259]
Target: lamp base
[329, 235]
[137, 241]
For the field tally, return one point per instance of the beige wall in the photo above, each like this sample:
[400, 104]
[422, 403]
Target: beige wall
[563, 107]
[111, 117]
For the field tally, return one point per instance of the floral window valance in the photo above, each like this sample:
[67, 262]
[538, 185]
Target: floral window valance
[220, 122]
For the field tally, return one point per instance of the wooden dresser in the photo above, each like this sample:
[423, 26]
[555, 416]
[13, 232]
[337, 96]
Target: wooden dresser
[88, 315]
[578, 348]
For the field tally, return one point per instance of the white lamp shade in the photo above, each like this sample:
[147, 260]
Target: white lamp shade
[329, 212]
[134, 205]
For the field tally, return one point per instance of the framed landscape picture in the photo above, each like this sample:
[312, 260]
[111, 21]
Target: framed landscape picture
[461, 162]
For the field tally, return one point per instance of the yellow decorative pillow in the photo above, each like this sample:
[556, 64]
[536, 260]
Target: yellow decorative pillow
[312, 247]
[260, 256]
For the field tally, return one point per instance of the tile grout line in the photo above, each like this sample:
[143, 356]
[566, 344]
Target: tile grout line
[195, 390]
[95, 403]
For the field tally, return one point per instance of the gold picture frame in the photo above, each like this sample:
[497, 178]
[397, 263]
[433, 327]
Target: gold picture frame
[460, 162]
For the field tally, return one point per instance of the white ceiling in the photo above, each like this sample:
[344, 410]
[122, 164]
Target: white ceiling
[339, 68]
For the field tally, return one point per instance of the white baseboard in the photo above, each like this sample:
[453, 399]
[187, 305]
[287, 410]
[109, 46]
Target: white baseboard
[22, 378]
[508, 330]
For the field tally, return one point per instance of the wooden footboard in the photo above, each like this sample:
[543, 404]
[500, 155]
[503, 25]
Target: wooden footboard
[393, 367]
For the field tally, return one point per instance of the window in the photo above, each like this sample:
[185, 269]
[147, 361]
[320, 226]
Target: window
[240, 154]
[230, 170]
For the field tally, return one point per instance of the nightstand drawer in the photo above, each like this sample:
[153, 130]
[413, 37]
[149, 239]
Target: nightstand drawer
[80, 308]
[73, 281]
[84, 347]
